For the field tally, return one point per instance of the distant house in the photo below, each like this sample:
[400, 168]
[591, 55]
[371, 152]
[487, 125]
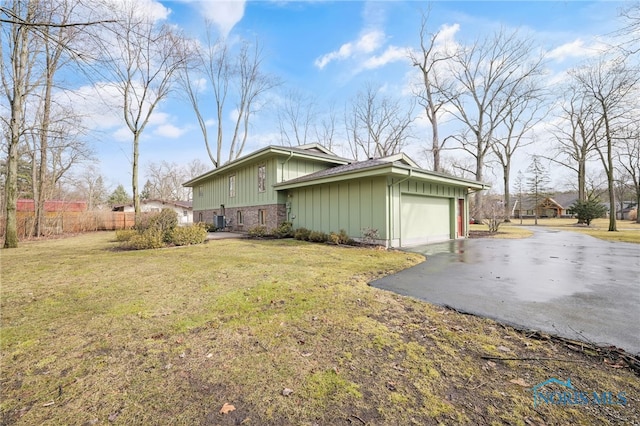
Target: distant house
[309, 186]
[183, 209]
[626, 212]
[558, 206]
[52, 206]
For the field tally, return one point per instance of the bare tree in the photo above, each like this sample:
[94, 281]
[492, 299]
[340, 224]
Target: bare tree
[631, 29]
[296, 117]
[17, 82]
[610, 85]
[164, 180]
[377, 125]
[522, 113]
[486, 77]
[213, 64]
[429, 60]
[575, 136]
[326, 129]
[628, 155]
[141, 59]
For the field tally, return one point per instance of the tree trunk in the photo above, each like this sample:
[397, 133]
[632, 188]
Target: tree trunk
[506, 171]
[134, 176]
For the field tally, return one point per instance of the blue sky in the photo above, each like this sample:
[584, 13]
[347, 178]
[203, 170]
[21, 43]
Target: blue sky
[328, 50]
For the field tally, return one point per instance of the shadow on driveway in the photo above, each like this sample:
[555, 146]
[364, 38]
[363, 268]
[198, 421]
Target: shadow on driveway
[559, 282]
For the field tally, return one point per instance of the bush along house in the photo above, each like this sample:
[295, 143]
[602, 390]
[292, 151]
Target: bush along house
[390, 199]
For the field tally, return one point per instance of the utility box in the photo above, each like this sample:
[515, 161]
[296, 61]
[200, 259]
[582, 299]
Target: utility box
[219, 222]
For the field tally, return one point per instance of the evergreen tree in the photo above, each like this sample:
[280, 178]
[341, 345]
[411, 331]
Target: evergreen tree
[119, 196]
[537, 184]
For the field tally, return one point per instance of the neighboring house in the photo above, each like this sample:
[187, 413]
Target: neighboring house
[183, 209]
[558, 206]
[627, 212]
[315, 189]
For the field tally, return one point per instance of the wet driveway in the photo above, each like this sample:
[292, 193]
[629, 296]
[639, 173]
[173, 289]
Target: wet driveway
[563, 283]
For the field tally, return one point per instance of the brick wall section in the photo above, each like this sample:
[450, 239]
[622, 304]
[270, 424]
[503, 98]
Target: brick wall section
[275, 214]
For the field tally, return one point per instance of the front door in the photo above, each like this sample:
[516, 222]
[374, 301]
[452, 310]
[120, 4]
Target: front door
[460, 227]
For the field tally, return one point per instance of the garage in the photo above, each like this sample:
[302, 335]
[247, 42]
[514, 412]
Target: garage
[424, 219]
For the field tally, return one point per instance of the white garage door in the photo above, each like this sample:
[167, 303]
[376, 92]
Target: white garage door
[424, 219]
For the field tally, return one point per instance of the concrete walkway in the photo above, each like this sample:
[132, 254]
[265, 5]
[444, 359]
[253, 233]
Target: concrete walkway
[559, 282]
[223, 235]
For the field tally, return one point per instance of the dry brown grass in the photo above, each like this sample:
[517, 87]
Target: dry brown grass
[92, 335]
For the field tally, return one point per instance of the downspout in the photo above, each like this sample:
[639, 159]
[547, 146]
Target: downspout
[390, 227]
[283, 164]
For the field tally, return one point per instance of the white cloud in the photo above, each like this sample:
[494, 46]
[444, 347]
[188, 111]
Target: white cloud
[577, 49]
[392, 54]
[169, 131]
[224, 14]
[123, 134]
[367, 43]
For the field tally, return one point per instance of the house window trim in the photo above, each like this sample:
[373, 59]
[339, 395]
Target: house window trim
[262, 217]
[239, 217]
[232, 186]
[262, 178]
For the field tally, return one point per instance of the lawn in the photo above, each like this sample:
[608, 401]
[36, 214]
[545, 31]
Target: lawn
[274, 332]
[628, 231]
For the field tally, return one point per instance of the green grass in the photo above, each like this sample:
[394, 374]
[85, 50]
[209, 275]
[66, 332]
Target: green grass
[628, 231]
[93, 335]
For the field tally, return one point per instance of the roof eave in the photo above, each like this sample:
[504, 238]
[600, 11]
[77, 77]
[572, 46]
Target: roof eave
[262, 152]
[381, 170]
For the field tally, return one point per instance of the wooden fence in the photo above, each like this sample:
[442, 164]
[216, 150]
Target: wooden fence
[57, 223]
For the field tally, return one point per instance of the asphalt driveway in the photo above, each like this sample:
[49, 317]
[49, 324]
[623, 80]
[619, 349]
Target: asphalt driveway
[559, 282]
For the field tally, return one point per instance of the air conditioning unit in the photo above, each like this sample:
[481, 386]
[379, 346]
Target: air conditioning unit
[219, 222]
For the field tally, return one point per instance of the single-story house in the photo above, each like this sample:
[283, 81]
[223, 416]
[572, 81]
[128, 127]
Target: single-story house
[390, 198]
[558, 206]
[629, 211]
[183, 209]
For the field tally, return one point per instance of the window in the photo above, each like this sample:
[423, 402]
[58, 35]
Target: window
[261, 217]
[239, 217]
[199, 217]
[262, 178]
[232, 186]
[185, 213]
[200, 191]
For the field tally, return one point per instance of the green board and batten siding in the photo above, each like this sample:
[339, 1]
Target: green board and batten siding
[350, 205]
[404, 212]
[215, 191]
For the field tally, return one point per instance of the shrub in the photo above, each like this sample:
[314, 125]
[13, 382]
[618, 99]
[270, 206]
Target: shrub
[257, 231]
[344, 237]
[588, 210]
[187, 235]
[302, 234]
[318, 237]
[369, 235]
[165, 222]
[633, 215]
[334, 238]
[285, 230]
[149, 239]
[123, 235]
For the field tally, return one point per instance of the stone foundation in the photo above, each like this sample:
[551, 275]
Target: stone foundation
[274, 215]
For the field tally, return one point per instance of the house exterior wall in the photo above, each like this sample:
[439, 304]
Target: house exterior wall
[397, 187]
[351, 205]
[214, 192]
[368, 203]
[209, 197]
